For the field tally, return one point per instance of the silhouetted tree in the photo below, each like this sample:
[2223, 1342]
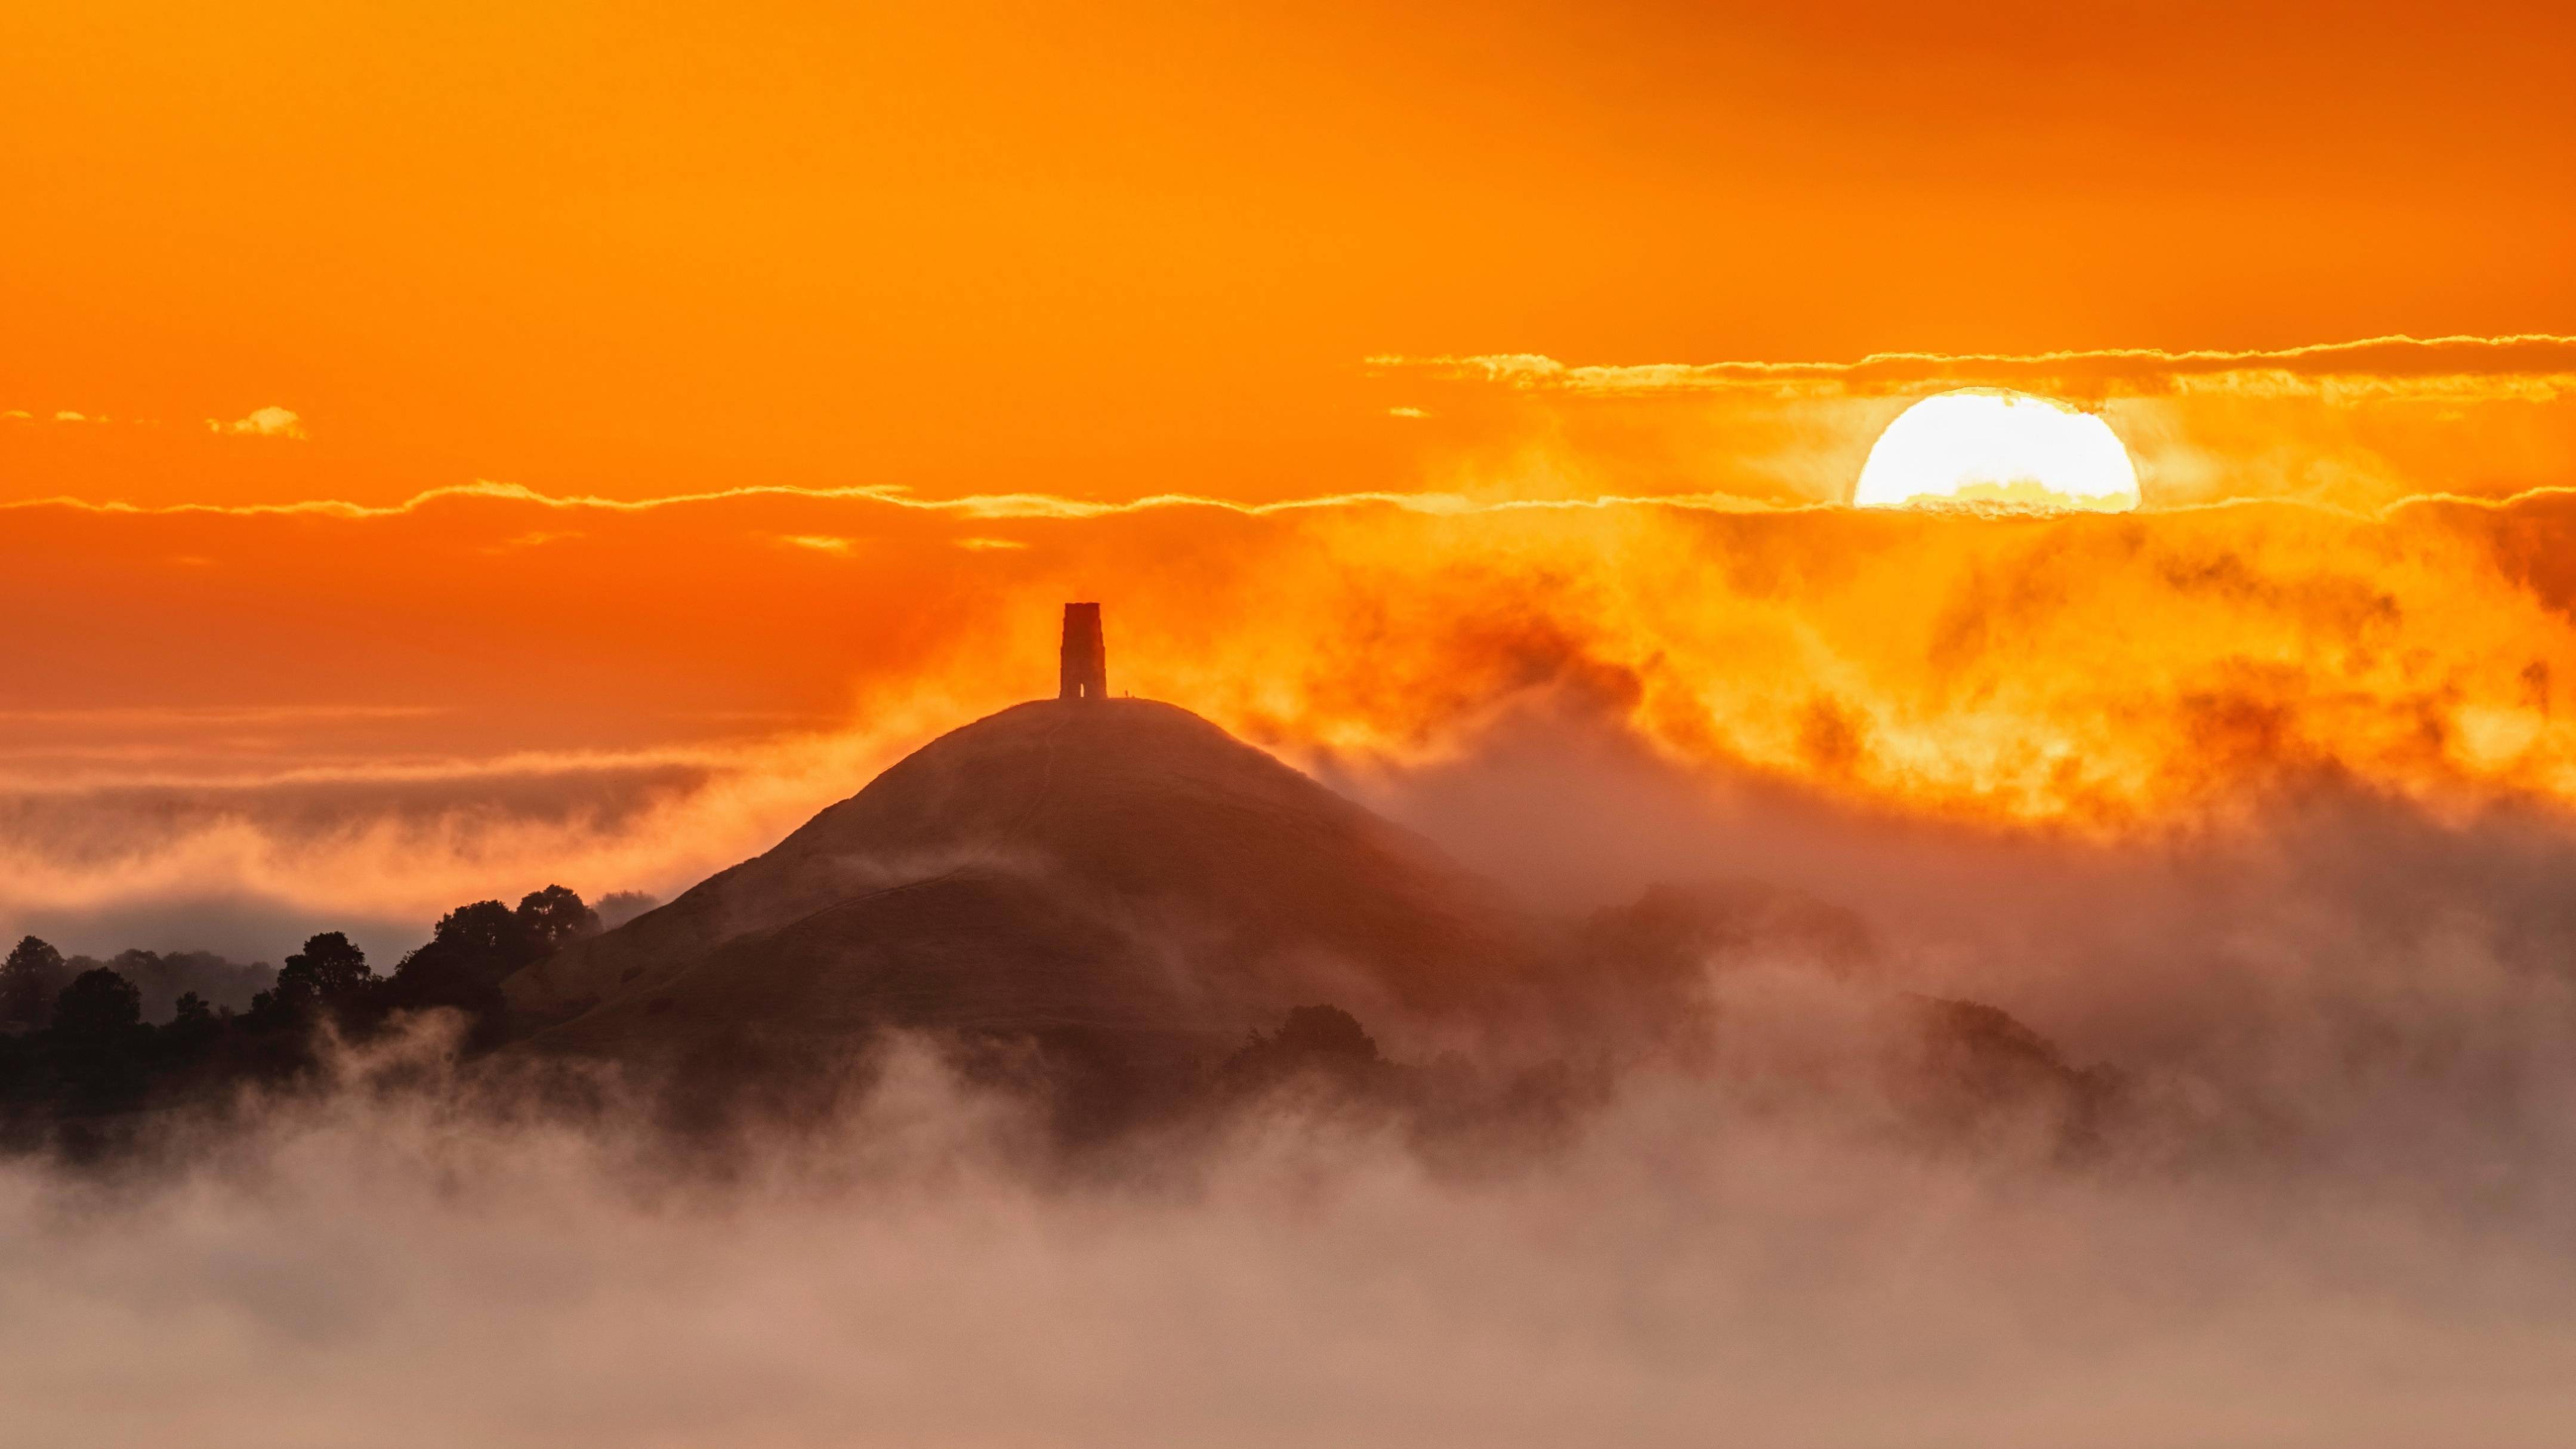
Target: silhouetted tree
[98, 1024]
[330, 971]
[486, 933]
[98, 1008]
[487, 940]
[193, 1024]
[268, 1012]
[553, 916]
[1325, 1031]
[28, 981]
[1323, 1039]
[475, 946]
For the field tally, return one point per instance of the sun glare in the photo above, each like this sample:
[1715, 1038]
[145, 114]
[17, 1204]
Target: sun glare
[1993, 447]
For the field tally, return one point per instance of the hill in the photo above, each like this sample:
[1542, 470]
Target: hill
[1113, 866]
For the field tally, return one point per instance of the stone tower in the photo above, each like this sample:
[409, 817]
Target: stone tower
[1086, 659]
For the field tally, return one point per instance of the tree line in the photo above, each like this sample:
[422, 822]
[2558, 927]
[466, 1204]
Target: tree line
[74, 1039]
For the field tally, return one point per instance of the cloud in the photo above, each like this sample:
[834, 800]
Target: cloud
[267, 422]
[74, 415]
[209, 716]
[537, 538]
[154, 825]
[2531, 367]
[1024, 505]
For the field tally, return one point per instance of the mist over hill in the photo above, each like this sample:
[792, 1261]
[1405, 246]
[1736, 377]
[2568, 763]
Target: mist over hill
[1119, 864]
[1091, 1075]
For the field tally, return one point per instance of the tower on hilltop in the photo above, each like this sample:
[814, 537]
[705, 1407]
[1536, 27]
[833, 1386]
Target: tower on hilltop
[1086, 659]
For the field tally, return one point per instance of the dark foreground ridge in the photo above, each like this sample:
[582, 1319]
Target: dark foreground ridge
[1102, 865]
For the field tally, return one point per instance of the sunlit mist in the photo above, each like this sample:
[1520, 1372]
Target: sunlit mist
[1986, 446]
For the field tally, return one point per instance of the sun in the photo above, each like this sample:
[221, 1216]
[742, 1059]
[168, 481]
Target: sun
[1987, 446]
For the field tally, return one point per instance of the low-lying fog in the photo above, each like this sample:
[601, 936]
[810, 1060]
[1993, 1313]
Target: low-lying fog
[2340, 1208]
[1701, 1262]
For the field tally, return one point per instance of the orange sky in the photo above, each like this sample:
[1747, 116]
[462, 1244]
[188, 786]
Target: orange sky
[1115, 249]
[442, 284]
